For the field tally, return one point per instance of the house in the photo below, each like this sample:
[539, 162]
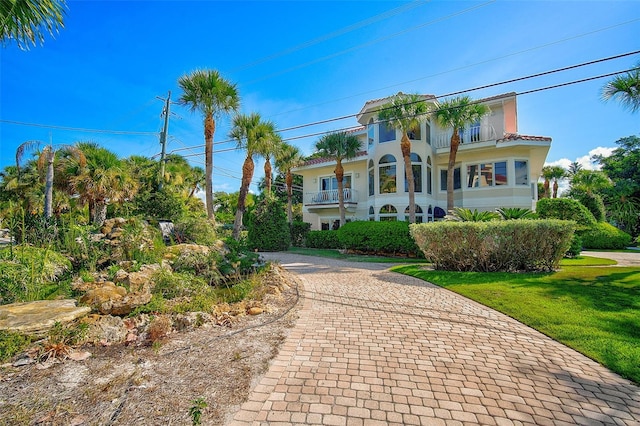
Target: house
[495, 167]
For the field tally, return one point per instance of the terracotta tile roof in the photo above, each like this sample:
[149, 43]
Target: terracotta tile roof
[327, 159]
[514, 136]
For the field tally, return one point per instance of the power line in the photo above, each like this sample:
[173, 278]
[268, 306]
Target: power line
[79, 129]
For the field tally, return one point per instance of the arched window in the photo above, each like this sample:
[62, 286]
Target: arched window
[372, 178]
[372, 214]
[416, 166]
[430, 214]
[418, 214]
[429, 176]
[387, 174]
[388, 213]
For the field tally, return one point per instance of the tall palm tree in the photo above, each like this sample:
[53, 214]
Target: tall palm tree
[625, 89]
[288, 158]
[557, 172]
[26, 21]
[457, 113]
[206, 91]
[339, 146]
[270, 147]
[250, 132]
[406, 113]
[547, 174]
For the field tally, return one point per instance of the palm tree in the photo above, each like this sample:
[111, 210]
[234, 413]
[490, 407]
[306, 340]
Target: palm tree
[206, 91]
[406, 113]
[625, 89]
[25, 21]
[250, 133]
[288, 158]
[339, 146]
[557, 172]
[456, 114]
[270, 147]
[547, 175]
[574, 168]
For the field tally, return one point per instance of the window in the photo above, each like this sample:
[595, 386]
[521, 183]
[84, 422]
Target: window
[522, 172]
[427, 132]
[331, 183]
[388, 213]
[386, 133]
[486, 174]
[387, 174]
[415, 135]
[372, 214]
[457, 181]
[418, 214]
[416, 166]
[500, 173]
[372, 180]
[429, 177]
[371, 132]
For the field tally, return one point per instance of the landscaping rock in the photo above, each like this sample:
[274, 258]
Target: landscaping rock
[110, 299]
[37, 318]
[105, 330]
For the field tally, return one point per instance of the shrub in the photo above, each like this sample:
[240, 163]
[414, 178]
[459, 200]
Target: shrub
[299, 231]
[141, 242]
[322, 240]
[593, 202]
[511, 213]
[576, 246]
[512, 245]
[268, 229]
[11, 344]
[170, 285]
[565, 209]
[467, 215]
[378, 238]
[603, 235]
[158, 205]
[195, 230]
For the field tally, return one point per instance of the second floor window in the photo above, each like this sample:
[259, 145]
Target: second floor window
[386, 133]
[522, 172]
[331, 183]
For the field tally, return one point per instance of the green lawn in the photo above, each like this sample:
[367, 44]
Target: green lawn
[593, 309]
[336, 254]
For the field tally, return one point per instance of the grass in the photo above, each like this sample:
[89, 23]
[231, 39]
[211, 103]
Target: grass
[587, 261]
[336, 254]
[592, 309]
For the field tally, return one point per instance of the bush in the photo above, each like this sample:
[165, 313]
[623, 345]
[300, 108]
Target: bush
[267, 227]
[593, 202]
[576, 246]
[510, 245]
[194, 230]
[322, 240]
[378, 238]
[299, 231]
[603, 235]
[141, 242]
[512, 213]
[158, 205]
[11, 344]
[565, 209]
[467, 215]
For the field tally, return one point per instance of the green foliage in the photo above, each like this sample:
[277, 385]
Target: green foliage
[170, 285]
[299, 232]
[35, 229]
[565, 209]
[67, 335]
[268, 229]
[467, 215]
[11, 344]
[323, 240]
[511, 213]
[512, 245]
[157, 304]
[237, 261]
[378, 238]
[141, 242]
[194, 230]
[592, 201]
[603, 235]
[195, 411]
[575, 248]
[163, 204]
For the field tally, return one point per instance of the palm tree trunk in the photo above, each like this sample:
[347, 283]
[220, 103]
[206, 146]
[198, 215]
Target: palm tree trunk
[405, 146]
[247, 175]
[547, 194]
[209, 129]
[339, 176]
[48, 187]
[555, 188]
[267, 174]
[289, 180]
[453, 151]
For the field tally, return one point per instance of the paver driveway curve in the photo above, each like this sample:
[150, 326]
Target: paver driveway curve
[374, 347]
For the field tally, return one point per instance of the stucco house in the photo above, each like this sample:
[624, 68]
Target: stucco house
[495, 167]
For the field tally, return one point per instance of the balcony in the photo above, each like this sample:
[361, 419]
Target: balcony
[329, 199]
[474, 134]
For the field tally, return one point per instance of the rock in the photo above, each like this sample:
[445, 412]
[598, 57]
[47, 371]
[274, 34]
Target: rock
[37, 318]
[79, 356]
[102, 293]
[255, 311]
[105, 330]
[178, 250]
[141, 281]
[191, 320]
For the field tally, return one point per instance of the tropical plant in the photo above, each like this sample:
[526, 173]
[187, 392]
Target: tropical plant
[26, 21]
[457, 113]
[549, 173]
[288, 157]
[206, 91]
[625, 89]
[406, 113]
[459, 214]
[339, 146]
[270, 147]
[512, 213]
[267, 228]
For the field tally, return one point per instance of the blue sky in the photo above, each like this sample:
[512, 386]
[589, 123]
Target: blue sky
[298, 62]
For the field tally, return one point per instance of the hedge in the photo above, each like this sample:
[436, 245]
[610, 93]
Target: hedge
[299, 231]
[565, 209]
[322, 240]
[510, 246]
[386, 238]
[605, 236]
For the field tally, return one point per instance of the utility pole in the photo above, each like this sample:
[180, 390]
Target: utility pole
[163, 139]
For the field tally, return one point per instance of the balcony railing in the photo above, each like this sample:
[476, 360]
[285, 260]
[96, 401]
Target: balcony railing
[331, 197]
[472, 134]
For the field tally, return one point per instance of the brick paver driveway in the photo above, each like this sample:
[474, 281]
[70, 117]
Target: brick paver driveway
[374, 347]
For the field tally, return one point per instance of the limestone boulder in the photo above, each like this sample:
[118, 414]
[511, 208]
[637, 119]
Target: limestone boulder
[110, 299]
[105, 329]
[37, 318]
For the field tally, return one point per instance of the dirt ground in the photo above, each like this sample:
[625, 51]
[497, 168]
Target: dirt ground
[154, 385]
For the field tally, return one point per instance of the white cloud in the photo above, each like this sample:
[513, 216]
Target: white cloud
[585, 161]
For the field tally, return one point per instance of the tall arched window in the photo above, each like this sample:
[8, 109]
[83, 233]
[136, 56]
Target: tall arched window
[372, 178]
[429, 176]
[416, 166]
[418, 214]
[387, 174]
[388, 213]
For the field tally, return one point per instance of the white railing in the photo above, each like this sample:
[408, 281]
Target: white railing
[331, 197]
[472, 134]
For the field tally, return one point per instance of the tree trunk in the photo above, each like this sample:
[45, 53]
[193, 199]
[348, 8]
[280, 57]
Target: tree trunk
[339, 176]
[209, 129]
[555, 188]
[267, 174]
[48, 187]
[247, 175]
[547, 194]
[405, 146]
[289, 181]
[453, 151]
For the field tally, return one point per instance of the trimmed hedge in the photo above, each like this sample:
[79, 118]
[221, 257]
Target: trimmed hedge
[322, 240]
[565, 209]
[593, 203]
[378, 238]
[299, 231]
[510, 245]
[267, 227]
[605, 236]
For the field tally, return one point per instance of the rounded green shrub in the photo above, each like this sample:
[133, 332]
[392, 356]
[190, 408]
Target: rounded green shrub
[322, 240]
[267, 227]
[603, 235]
[565, 209]
[593, 202]
[195, 230]
[378, 238]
